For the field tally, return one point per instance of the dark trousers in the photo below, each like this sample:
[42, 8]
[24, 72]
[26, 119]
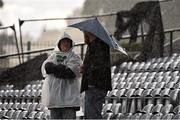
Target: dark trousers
[63, 113]
[94, 98]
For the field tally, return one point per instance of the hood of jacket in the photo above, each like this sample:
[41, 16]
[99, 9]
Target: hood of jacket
[65, 35]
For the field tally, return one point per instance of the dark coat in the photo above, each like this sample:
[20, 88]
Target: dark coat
[97, 70]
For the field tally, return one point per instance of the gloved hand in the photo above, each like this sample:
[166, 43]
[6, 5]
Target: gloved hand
[59, 69]
[64, 72]
[50, 68]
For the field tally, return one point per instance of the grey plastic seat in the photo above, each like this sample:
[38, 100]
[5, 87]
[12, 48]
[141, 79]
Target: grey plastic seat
[135, 85]
[167, 79]
[128, 85]
[149, 79]
[176, 110]
[9, 114]
[135, 79]
[144, 85]
[141, 66]
[121, 85]
[158, 79]
[27, 106]
[121, 93]
[134, 66]
[165, 96]
[3, 113]
[45, 116]
[175, 79]
[40, 107]
[3, 105]
[156, 96]
[15, 106]
[170, 85]
[9, 105]
[152, 85]
[159, 74]
[176, 117]
[39, 115]
[32, 115]
[107, 108]
[21, 106]
[16, 114]
[157, 109]
[175, 74]
[142, 79]
[146, 116]
[175, 97]
[116, 108]
[166, 66]
[107, 116]
[33, 106]
[157, 116]
[114, 85]
[147, 97]
[136, 116]
[177, 85]
[147, 109]
[167, 109]
[118, 116]
[160, 85]
[168, 116]
[23, 115]
[147, 66]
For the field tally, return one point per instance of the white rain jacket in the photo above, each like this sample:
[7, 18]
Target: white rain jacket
[60, 93]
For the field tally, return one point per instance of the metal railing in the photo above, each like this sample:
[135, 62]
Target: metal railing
[170, 32]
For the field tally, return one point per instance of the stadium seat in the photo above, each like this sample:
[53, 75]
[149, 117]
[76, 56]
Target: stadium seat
[107, 108]
[167, 109]
[32, 115]
[146, 116]
[176, 110]
[146, 97]
[157, 116]
[157, 109]
[168, 116]
[16, 114]
[3, 113]
[15, 106]
[160, 85]
[175, 97]
[144, 85]
[165, 96]
[39, 115]
[23, 115]
[8, 114]
[176, 117]
[177, 85]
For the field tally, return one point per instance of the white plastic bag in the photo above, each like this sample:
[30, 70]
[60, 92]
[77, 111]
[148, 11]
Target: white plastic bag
[45, 93]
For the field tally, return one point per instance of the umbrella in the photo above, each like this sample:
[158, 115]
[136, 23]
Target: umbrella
[95, 27]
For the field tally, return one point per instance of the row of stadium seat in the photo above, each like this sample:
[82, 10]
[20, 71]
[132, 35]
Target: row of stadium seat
[149, 108]
[146, 85]
[20, 95]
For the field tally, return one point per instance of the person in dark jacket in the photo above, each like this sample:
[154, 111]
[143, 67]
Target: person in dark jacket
[96, 75]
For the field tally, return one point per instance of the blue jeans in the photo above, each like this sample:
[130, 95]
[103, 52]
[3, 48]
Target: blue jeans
[63, 113]
[94, 98]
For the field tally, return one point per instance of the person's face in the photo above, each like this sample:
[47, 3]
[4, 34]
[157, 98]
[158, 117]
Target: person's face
[88, 37]
[65, 45]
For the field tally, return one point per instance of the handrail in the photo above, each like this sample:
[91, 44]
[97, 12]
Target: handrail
[34, 51]
[81, 44]
[140, 35]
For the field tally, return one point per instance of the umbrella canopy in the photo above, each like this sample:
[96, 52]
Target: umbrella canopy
[95, 27]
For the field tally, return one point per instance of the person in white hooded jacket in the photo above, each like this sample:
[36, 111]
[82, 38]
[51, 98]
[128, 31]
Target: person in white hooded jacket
[61, 88]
